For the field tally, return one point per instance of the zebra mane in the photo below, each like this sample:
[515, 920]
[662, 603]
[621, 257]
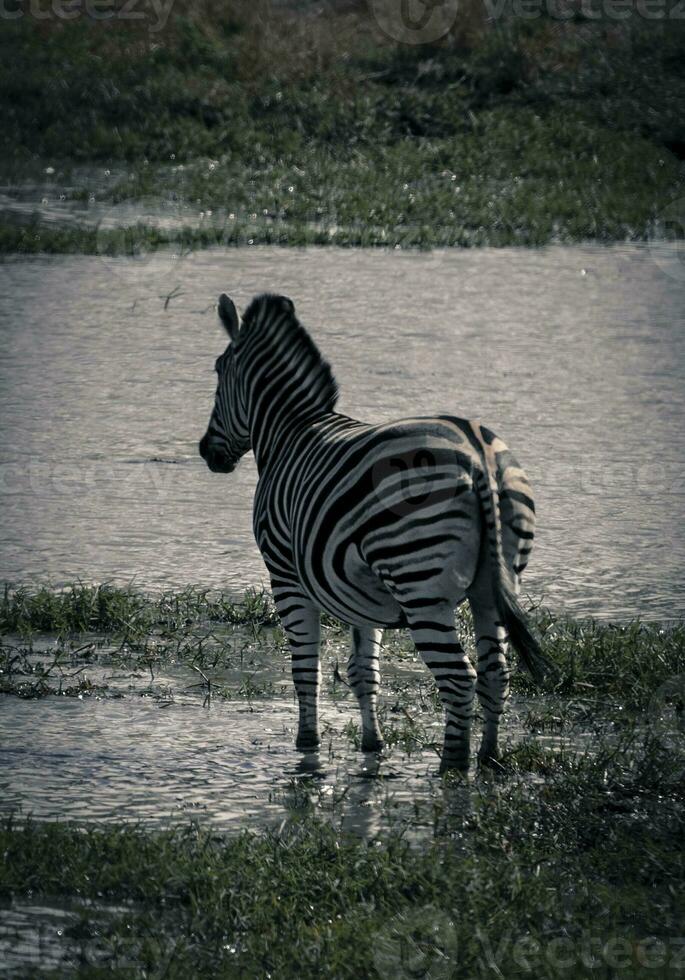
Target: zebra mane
[272, 318]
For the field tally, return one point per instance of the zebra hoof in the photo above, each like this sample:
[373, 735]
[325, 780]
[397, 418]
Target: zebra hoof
[490, 760]
[488, 757]
[453, 763]
[308, 742]
[372, 743]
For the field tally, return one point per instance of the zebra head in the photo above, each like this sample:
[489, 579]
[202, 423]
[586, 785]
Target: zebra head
[227, 437]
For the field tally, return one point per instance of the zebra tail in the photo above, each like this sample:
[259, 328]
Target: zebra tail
[520, 634]
[508, 607]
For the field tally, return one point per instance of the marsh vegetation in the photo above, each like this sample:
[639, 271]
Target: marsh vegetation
[571, 852]
[506, 131]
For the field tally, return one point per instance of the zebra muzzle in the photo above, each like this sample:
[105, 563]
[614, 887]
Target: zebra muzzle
[216, 459]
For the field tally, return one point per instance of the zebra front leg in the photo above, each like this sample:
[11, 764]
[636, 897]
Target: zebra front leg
[301, 622]
[492, 685]
[436, 639]
[364, 678]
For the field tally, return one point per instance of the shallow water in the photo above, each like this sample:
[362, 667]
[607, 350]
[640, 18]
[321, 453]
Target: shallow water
[159, 759]
[164, 760]
[150, 747]
[154, 752]
[574, 355]
[151, 741]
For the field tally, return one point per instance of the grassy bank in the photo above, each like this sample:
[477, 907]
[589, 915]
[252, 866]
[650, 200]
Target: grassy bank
[510, 131]
[566, 862]
[580, 875]
[626, 664]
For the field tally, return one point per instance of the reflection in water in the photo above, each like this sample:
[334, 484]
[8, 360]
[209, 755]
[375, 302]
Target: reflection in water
[574, 355]
[309, 766]
[45, 936]
[233, 766]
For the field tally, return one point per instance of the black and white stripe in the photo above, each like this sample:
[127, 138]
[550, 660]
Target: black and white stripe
[379, 525]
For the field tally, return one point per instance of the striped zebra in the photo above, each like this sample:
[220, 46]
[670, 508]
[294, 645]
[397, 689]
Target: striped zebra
[381, 526]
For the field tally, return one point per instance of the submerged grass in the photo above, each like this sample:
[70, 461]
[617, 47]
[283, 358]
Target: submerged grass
[509, 131]
[625, 665]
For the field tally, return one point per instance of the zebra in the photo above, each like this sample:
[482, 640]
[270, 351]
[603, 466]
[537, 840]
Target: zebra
[381, 526]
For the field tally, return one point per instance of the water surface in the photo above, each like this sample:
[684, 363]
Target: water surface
[573, 355]
[162, 758]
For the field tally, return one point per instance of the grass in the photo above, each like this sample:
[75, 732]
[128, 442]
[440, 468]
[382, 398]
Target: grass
[580, 875]
[513, 132]
[623, 664]
[108, 609]
[567, 862]
[628, 663]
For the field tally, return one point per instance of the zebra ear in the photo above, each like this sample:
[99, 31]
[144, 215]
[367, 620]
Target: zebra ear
[229, 316]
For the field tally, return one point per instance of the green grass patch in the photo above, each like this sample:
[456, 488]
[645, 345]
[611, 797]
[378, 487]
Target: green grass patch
[517, 132]
[626, 663]
[108, 609]
[607, 665]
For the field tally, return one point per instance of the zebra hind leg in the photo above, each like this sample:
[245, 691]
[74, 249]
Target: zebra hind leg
[492, 686]
[435, 638]
[364, 678]
[301, 622]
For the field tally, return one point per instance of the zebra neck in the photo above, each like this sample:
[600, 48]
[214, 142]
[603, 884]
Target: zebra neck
[286, 394]
[270, 443]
